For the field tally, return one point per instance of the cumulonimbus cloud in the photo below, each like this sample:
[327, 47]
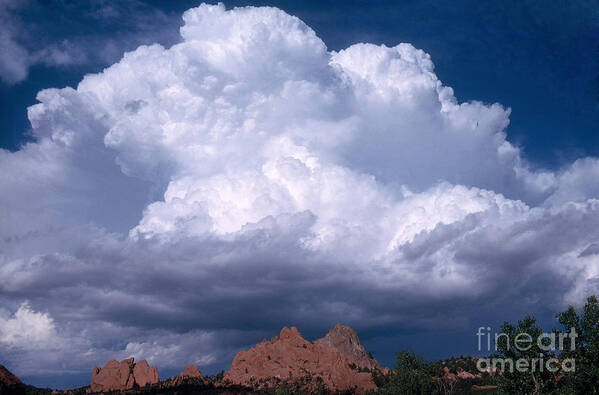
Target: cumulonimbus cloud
[247, 177]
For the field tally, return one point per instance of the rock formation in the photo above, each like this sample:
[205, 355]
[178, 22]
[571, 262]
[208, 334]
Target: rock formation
[123, 375]
[291, 358]
[9, 383]
[191, 375]
[143, 374]
[460, 374]
[345, 339]
[191, 371]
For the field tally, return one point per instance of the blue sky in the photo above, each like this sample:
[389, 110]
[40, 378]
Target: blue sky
[182, 202]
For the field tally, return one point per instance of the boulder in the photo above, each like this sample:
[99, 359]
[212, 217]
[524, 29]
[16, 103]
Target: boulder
[124, 375]
[291, 358]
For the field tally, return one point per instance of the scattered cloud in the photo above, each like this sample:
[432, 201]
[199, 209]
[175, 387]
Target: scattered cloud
[33, 33]
[14, 61]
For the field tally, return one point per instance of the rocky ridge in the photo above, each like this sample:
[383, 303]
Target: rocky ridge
[337, 362]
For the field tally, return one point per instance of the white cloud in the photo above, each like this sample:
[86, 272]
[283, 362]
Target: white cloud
[28, 329]
[576, 183]
[14, 62]
[247, 178]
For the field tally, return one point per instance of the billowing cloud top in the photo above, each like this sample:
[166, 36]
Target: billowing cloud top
[186, 199]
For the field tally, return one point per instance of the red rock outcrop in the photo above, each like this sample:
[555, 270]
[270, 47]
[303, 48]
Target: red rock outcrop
[7, 378]
[461, 374]
[346, 340]
[144, 374]
[123, 375]
[9, 383]
[191, 371]
[190, 375]
[290, 357]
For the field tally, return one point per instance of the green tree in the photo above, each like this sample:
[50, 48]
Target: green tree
[412, 376]
[521, 359]
[585, 351]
